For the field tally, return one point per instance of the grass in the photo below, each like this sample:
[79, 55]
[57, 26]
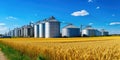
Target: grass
[12, 54]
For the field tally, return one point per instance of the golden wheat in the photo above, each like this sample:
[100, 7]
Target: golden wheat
[94, 48]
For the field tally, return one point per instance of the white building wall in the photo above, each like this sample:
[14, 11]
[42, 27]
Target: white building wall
[91, 32]
[31, 32]
[16, 32]
[47, 30]
[64, 32]
[42, 30]
[39, 30]
[98, 33]
[21, 31]
[84, 32]
[25, 32]
[52, 29]
[35, 31]
[12, 33]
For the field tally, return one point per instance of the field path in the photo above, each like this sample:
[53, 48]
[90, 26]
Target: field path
[2, 56]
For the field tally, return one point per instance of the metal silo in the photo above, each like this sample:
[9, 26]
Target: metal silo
[42, 29]
[91, 32]
[19, 32]
[37, 29]
[52, 28]
[104, 33]
[30, 29]
[16, 32]
[70, 31]
[25, 31]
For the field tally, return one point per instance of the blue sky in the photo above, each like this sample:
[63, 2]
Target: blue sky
[98, 13]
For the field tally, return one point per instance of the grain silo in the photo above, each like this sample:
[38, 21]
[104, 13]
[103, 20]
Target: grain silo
[104, 33]
[16, 32]
[19, 32]
[30, 30]
[11, 33]
[22, 31]
[52, 28]
[27, 30]
[37, 29]
[42, 29]
[70, 31]
[89, 31]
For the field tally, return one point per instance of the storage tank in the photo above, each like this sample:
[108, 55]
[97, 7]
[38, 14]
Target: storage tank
[31, 29]
[89, 31]
[52, 28]
[37, 29]
[42, 29]
[70, 31]
[11, 33]
[22, 31]
[25, 31]
[19, 32]
[16, 32]
[104, 33]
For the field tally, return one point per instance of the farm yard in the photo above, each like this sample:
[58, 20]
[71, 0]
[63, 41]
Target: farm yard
[83, 48]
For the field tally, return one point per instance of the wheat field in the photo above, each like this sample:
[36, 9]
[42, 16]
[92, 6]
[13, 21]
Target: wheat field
[89, 48]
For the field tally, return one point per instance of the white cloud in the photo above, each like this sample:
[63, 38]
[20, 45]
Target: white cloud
[2, 24]
[80, 13]
[90, 0]
[114, 23]
[3, 29]
[11, 18]
[97, 7]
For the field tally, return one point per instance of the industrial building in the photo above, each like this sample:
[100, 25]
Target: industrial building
[16, 32]
[39, 29]
[89, 31]
[70, 31]
[48, 28]
[52, 28]
[27, 31]
[104, 33]
[24, 31]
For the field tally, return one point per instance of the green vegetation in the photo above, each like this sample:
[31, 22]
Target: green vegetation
[12, 54]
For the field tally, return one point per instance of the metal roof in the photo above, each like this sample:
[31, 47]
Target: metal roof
[70, 26]
[89, 28]
[52, 19]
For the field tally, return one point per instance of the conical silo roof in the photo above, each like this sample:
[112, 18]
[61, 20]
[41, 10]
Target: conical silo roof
[52, 19]
[70, 26]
